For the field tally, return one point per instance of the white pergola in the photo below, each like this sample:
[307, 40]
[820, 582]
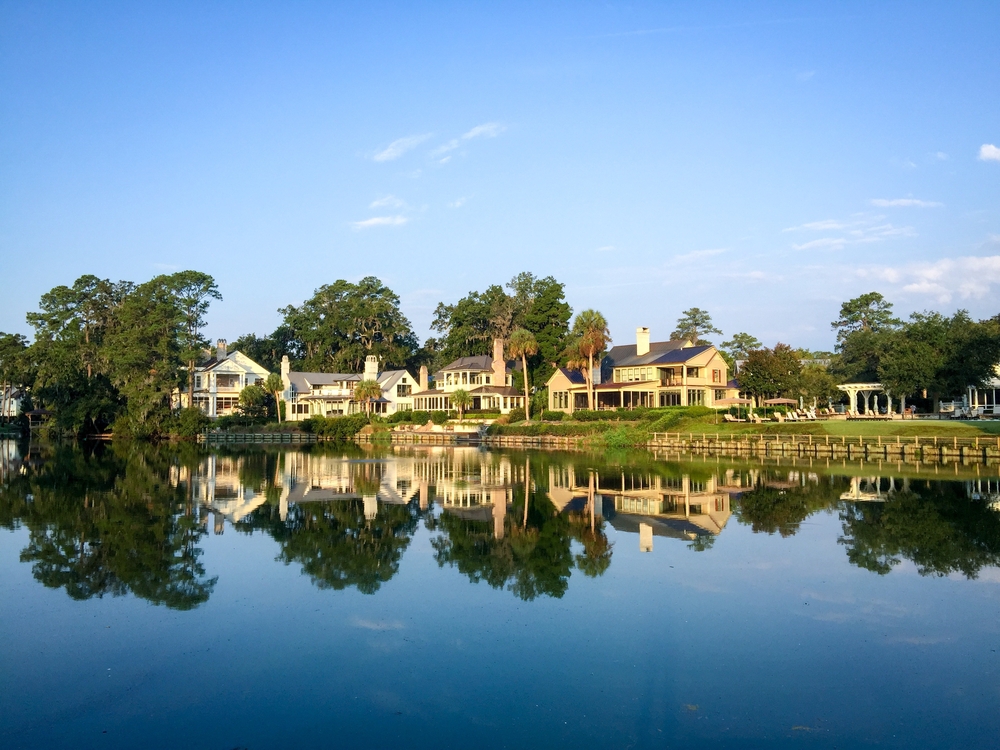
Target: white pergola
[867, 391]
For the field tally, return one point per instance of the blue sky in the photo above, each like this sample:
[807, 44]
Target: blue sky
[765, 163]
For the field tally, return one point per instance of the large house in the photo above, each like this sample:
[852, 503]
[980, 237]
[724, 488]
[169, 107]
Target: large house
[10, 403]
[219, 380]
[331, 394]
[488, 380]
[653, 374]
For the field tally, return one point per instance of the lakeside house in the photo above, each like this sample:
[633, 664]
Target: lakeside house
[219, 380]
[10, 403]
[647, 374]
[488, 380]
[331, 394]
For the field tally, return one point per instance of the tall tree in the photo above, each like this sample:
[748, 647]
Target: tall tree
[739, 347]
[194, 292]
[869, 312]
[522, 345]
[12, 353]
[461, 399]
[693, 325]
[367, 391]
[590, 337]
[275, 386]
[342, 323]
[771, 372]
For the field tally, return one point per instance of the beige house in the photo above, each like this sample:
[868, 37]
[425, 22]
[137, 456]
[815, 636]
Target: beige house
[219, 380]
[489, 380]
[331, 394]
[662, 373]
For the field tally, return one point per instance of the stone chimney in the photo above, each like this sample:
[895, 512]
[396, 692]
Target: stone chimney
[641, 341]
[423, 377]
[371, 367]
[286, 367]
[220, 350]
[499, 366]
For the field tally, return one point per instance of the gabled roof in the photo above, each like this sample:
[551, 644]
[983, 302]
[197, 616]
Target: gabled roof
[574, 376]
[389, 378]
[660, 352]
[233, 358]
[478, 363]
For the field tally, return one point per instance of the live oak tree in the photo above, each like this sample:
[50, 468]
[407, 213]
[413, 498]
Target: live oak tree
[771, 372]
[193, 292]
[12, 368]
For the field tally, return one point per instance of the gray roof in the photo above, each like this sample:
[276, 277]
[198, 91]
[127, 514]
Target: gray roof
[661, 352]
[478, 363]
[303, 381]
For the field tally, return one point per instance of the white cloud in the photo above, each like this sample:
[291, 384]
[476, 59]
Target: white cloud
[377, 625]
[458, 203]
[941, 156]
[486, 130]
[697, 254]
[864, 229]
[380, 221]
[964, 277]
[389, 200]
[899, 202]
[989, 152]
[606, 249]
[445, 148]
[400, 146]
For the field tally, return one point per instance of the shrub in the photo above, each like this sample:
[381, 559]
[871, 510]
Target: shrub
[400, 417]
[420, 417]
[516, 415]
[189, 423]
[337, 428]
[439, 417]
[553, 416]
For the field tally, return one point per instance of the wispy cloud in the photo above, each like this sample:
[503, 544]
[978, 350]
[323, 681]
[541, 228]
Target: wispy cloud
[389, 200]
[698, 254]
[805, 75]
[989, 152]
[863, 229]
[459, 202]
[964, 277]
[941, 156]
[900, 202]
[606, 249]
[486, 130]
[380, 221]
[400, 146]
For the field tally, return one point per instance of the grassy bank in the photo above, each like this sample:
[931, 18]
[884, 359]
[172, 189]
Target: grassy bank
[612, 432]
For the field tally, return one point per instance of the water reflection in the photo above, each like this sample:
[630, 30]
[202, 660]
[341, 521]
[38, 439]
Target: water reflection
[133, 519]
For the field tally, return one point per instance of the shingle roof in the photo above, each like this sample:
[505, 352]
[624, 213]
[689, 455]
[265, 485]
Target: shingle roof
[661, 352]
[574, 376]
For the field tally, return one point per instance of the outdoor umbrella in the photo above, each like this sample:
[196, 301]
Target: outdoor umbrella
[733, 402]
[780, 402]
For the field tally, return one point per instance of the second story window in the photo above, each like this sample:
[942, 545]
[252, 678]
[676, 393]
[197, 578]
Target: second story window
[716, 376]
[197, 381]
[694, 372]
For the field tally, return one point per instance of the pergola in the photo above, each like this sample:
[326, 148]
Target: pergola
[867, 391]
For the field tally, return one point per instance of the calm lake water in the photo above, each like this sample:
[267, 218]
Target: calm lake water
[456, 597]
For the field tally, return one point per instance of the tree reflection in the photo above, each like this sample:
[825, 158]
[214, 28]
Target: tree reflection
[774, 506]
[336, 544]
[936, 526]
[109, 523]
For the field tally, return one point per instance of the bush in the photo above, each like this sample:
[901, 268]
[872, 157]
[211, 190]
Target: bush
[337, 428]
[516, 415]
[553, 416]
[400, 417]
[439, 417]
[189, 423]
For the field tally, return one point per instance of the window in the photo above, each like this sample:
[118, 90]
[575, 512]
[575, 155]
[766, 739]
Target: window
[465, 378]
[720, 504]
[197, 381]
[716, 376]
[719, 395]
[560, 400]
[403, 390]
[670, 398]
[487, 380]
[300, 408]
[694, 372]
[696, 397]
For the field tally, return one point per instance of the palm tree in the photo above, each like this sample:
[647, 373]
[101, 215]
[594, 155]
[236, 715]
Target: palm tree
[275, 386]
[522, 344]
[461, 400]
[590, 331]
[367, 391]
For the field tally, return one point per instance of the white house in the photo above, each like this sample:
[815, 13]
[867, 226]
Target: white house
[219, 380]
[10, 402]
[489, 380]
[331, 394]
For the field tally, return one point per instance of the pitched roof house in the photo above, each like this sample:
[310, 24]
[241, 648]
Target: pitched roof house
[649, 374]
[331, 394]
[218, 381]
[489, 380]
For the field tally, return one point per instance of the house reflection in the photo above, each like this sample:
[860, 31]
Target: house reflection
[649, 504]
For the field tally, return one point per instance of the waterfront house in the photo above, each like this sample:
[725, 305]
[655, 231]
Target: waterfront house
[331, 394]
[218, 381]
[10, 403]
[488, 380]
[650, 374]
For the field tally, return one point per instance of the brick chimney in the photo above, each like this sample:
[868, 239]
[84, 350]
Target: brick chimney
[423, 377]
[220, 349]
[641, 341]
[499, 366]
